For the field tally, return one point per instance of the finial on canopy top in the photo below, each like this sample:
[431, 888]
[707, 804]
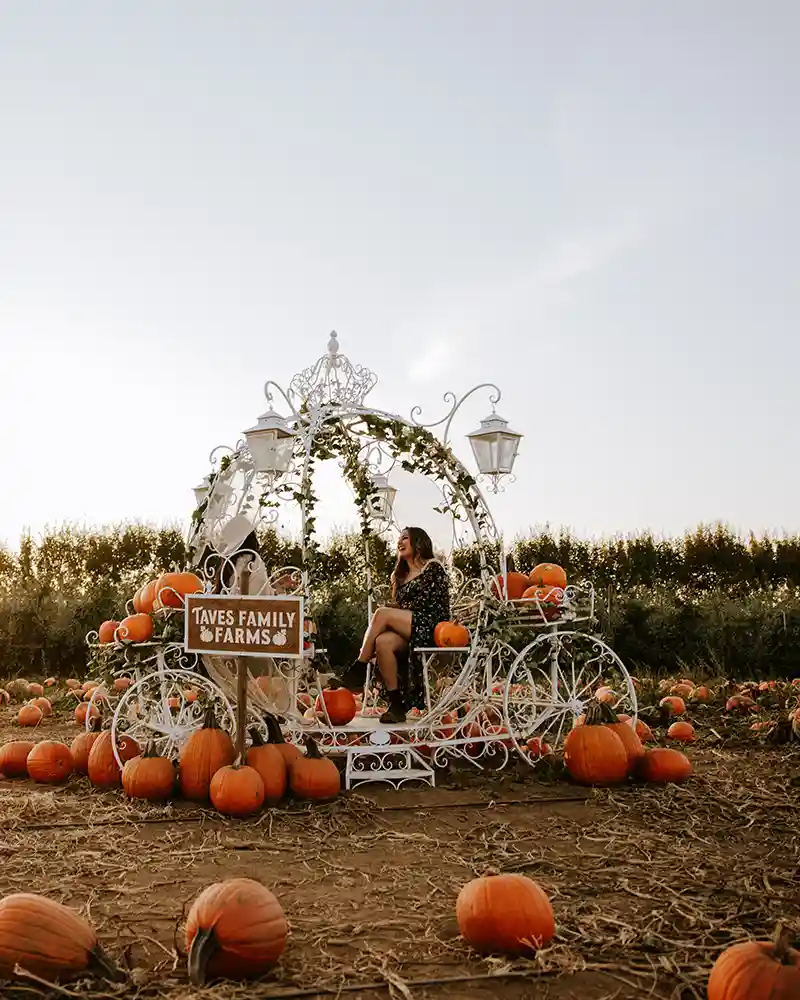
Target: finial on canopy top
[333, 344]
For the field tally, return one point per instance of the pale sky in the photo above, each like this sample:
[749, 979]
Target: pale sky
[593, 204]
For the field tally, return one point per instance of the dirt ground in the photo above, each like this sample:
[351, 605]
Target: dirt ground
[648, 884]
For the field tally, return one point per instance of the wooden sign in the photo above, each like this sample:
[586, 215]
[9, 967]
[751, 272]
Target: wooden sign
[244, 626]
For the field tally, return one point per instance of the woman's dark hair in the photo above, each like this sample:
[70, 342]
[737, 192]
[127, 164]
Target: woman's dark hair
[421, 546]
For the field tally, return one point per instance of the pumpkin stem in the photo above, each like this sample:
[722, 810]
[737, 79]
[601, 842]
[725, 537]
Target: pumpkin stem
[105, 965]
[209, 719]
[204, 945]
[255, 738]
[150, 750]
[780, 944]
[273, 729]
[312, 751]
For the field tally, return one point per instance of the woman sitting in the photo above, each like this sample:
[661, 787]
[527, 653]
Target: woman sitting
[420, 600]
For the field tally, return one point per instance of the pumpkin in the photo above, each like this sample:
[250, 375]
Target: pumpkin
[538, 748]
[235, 928]
[48, 940]
[122, 683]
[14, 758]
[35, 690]
[44, 705]
[505, 913]
[50, 762]
[135, 628]
[102, 766]
[144, 599]
[289, 751]
[628, 737]
[515, 587]
[676, 705]
[339, 702]
[663, 765]
[643, 731]
[548, 575]
[149, 777]
[682, 689]
[682, 731]
[81, 746]
[30, 715]
[740, 703]
[545, 595]
[82, 710]
[313, 776]
[50, 682]
[450, 635]
[605, 695]
[18, 688]
[701, 694]
[593, 753]
[757, 970]
[105, 633]
[237, 790]
[267, 759]
[89, 686]
[72, 684]
[201, 756]
[172, 588]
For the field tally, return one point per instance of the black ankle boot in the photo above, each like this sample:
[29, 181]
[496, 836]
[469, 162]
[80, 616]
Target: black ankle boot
[397, 709]
[355, 677]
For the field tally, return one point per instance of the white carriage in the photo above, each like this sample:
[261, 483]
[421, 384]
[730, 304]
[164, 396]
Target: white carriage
[514, 691]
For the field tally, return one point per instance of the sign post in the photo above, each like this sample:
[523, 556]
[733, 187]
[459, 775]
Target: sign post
[241, 680]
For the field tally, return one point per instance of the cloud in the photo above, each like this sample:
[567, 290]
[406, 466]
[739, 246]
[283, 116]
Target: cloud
[435, 358]
[570, 257]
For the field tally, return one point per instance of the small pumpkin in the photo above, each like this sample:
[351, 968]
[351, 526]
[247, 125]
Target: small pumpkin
[681, 731]
[14, 758]
[102, 766]
[135, 628]
[30, 715]
[643, 731]
[267, 759]
[237, 790]
[81, 746]
[593, 753]
[201, 756]
[552, 597]
[548, 575]
[757, 970]
[49, 940]
[85, 709]
[72, 683]
[683, 689]
[740, 703]
[35, 690]
[289, 751]
[663, 765]
[605, 695]
[50, 762]
[44, 705]
[105, 633]
[450, 635]
[509, 914]
[171, 589]
[235, 928]
[50, 682]
[340, 704]
[674, 704]
[701, 694]
[149, 777]
[515, 585]
[313, 776]
[122, 683]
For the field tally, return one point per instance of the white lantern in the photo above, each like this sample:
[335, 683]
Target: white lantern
[382, 500]
[494, 446]
[271, 443]
[201, 491]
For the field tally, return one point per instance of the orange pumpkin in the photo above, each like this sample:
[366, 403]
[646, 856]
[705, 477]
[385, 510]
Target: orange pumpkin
[643, 731]
[593, 753]
[30, 715]
[289, 751]
[172, 588]
[237, 790]
[509, 914]
[50, 762]
[49, 940]
[682, 689]
[605, 695]
[149, 777]
[663, 765]
[122, 683]
[135, 628]
[201, 756]
[80, 748]
[235, 929]
[450, 635]
[102, 766]
[339, 702]
[682, 731]
[50, 682]
[630, 740]
[701, 694]
[35, 691]
[72, 684]
[144, 600]
[313, 776]
[676, 706]
[105, 633]
[756, 970]
[545, 595]
[82, 710]
[267, 759]
[43, 704]
[548, 575]
[517, 584]
[14, 758]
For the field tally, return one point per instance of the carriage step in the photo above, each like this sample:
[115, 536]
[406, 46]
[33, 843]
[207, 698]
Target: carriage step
[393, 765]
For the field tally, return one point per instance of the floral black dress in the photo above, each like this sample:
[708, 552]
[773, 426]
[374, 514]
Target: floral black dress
[427, 597]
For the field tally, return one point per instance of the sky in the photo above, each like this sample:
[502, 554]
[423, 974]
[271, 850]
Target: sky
[593, 205]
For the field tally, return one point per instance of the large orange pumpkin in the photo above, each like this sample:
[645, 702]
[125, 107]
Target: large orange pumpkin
[102, 765]
[450, 634]
[267, 759]
[48, 940]
[548, 575]
[30, 715]
[235, 929]
[172, 588]
[505, 913]
[201, 756]
[756, 970]
[145, 597]
[14, 758]
[593, 753]
[237, 790]
[135, 628]
[105, 633]
[149, 777]
[662, 765]
[518, 583]
[313, 776]
[339, 702]
[628, 737]
[44, 705]
[81, 747]
[50, 762]
[82, 710]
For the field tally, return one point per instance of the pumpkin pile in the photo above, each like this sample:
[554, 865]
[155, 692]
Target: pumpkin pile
[167, 592]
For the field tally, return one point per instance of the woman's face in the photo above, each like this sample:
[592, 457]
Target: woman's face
[404, 547]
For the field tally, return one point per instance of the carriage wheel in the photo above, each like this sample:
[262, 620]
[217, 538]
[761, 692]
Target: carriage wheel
[165, 708]
[550, 683]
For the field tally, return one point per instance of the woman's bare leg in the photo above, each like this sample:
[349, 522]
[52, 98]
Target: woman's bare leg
[387, 646]
[391, 620]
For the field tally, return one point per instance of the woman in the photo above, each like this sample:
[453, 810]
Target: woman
[420, 600]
